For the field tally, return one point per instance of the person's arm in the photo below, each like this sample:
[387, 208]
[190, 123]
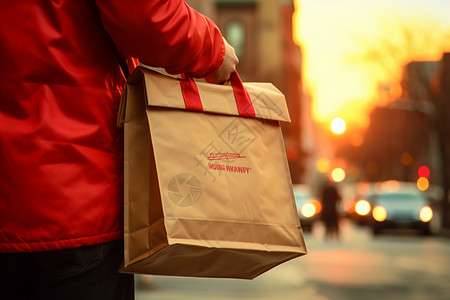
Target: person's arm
[168, 34]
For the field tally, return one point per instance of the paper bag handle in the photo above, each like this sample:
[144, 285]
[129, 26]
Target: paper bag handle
[193, 102]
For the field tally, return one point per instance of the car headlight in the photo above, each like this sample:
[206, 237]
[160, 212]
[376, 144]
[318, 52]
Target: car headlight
[379, 213]
[426, 214]
[308, 210]
[362, 207]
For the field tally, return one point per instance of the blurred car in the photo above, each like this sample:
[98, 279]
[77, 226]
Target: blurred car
[308, 207]
[399, 210]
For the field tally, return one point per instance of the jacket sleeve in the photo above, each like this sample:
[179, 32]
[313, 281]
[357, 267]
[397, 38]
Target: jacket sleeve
[164, 33]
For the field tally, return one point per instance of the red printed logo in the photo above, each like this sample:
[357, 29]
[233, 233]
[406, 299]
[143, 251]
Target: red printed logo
[224, 155]
[229, 169]
[229, 156]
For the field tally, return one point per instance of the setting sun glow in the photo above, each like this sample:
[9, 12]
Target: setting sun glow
[348, 62]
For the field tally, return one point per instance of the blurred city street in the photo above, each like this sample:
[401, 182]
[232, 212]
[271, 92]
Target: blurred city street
[393, 265]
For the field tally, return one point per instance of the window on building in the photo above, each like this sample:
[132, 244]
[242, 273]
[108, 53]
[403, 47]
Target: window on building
[235, 34]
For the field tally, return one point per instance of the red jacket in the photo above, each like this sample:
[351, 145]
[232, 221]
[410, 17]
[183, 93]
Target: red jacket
[61, 174]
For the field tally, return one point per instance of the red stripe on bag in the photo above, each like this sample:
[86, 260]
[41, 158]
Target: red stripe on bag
[190, 93]
[243, 101]
[193, 102]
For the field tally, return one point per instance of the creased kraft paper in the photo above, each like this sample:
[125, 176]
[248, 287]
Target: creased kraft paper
[207, 194]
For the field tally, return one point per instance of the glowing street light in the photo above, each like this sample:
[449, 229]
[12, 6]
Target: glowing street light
[423, 171]
[337, 175]
[338, 125]
[323, 165]
[423, 184]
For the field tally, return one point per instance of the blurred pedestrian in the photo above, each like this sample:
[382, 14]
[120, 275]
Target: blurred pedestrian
[61, 179]
[330, 216]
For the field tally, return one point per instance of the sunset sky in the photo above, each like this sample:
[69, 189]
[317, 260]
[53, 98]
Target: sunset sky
[335, 35]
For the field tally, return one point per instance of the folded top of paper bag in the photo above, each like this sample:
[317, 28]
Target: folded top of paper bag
[165, 91]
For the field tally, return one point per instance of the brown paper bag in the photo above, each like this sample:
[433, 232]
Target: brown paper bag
[207, 192]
